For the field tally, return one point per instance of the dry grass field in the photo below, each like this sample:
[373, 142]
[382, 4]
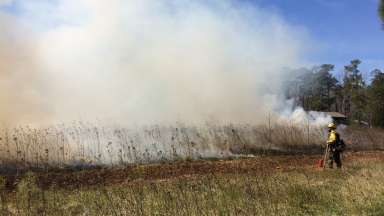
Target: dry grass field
[265, 185]
[208, 170]
[88, 145]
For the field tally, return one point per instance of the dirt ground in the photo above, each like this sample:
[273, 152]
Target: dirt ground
[258, 165]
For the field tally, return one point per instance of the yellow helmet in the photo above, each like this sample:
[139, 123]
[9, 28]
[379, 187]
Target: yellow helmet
[332, 125]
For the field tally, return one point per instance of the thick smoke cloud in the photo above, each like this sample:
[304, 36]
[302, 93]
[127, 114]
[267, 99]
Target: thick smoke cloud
[143, 61]
[21, 84]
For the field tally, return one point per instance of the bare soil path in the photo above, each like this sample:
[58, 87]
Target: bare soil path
[258, 165]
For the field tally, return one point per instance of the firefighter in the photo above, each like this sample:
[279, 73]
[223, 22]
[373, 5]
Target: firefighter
[335, 146]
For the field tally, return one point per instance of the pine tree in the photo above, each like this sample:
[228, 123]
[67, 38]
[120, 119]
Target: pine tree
[376, 99]
[354, 100]
[325, 84]
[313, 89]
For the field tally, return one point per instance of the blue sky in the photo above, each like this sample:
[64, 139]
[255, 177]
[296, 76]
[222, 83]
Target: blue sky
[345, 29]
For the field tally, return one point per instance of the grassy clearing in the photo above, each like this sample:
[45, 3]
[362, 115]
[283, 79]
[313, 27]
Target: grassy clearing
[357, 190]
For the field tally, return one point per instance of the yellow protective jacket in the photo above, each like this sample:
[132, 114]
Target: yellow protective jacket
[331, 137]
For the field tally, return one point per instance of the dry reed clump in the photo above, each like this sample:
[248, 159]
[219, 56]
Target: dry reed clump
[358, 190]
[85, 144]
[364, 138]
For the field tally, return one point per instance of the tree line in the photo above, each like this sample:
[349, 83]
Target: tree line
[361, 100]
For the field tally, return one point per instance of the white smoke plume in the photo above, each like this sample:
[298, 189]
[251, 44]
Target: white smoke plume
[5, 2]
[143, 61]
[298, 116]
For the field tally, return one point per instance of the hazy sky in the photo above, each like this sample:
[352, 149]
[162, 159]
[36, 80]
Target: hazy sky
[343, 29]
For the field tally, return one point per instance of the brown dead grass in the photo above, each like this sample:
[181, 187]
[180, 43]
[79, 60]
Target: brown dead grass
[260, 165]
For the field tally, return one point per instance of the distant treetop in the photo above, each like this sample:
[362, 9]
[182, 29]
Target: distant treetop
[381, 10]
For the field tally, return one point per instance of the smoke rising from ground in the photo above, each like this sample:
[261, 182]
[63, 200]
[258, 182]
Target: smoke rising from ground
[143, 61]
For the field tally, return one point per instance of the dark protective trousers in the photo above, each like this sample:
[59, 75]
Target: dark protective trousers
[334, 157]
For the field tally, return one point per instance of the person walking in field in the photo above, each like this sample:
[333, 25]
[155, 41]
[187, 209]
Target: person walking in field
[335, 146]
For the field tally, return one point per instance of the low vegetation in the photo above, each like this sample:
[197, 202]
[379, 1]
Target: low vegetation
[357, 190]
